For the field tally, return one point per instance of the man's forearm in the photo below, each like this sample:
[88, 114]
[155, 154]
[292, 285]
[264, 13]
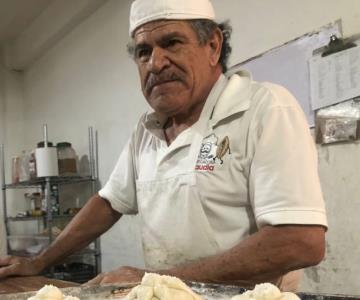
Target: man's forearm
[96, 217]
[263, 256]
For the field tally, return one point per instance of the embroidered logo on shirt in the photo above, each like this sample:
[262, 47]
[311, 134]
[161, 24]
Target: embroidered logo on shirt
[211, 153]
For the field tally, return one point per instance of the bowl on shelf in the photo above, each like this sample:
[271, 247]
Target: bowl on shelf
[20, 242]
[30, 244]
[41, 243]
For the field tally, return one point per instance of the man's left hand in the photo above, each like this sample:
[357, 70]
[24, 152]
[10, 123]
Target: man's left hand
[120, 275]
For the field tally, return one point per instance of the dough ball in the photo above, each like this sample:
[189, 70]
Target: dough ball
[144, 292]
[266, 291]
[133, 293]
[157, 287]
[243, 296]
[48, 292]
[165, 292]
[151, 279]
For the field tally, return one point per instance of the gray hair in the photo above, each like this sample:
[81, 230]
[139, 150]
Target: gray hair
[204, 30]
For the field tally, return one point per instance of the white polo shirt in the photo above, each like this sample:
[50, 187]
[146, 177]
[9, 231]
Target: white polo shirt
[249, 161]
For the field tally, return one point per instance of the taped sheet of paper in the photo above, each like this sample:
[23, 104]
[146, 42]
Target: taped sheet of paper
[335, 78]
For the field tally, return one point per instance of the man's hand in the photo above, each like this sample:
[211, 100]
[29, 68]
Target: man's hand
[19, 266]
[81, 231]
[120, 275]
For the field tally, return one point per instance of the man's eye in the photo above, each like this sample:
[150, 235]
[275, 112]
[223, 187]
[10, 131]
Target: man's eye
[142, 53]
[172, 43]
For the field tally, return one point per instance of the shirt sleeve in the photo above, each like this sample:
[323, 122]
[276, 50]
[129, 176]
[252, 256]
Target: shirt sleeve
[284, 182]
[120, 189]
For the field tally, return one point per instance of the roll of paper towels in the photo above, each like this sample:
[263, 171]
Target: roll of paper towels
[46, 162]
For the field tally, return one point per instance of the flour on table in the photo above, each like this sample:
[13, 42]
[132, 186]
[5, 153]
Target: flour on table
[266, 291]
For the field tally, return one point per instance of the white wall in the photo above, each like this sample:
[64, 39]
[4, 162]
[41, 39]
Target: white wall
[14, 113]
[12, 132]
[2, 103]
[2, 96]
[340, 180]
[261, 25]
[88, 79]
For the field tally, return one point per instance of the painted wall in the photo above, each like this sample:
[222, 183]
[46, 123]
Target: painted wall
[2, 107]
[261, 25]
[88, 79]
[12, 123]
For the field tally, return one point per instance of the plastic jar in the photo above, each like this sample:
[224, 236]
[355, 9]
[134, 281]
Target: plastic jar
[66, 159]
[15, 169]
[32, 165]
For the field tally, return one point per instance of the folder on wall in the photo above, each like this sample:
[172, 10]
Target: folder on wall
[335, 73]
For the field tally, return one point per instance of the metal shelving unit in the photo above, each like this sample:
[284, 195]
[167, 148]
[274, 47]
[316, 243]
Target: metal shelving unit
[46, 183]
[54, 180]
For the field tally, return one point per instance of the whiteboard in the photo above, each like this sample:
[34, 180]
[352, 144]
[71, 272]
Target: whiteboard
[287, 65]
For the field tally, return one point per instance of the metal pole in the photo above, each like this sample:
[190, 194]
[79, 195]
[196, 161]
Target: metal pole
[2, 165]
[96, 155]
[49, 218]
[45, 136]
[93, 156]
[3, 187]
[91, 153]
[98, 255]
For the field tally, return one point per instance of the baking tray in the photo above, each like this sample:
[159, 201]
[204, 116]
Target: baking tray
[207, 291]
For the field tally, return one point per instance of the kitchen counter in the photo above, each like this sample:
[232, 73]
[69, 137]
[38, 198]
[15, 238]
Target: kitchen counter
[97, 292]
[28, 284]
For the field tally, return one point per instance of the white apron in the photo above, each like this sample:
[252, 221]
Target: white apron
[175, 229]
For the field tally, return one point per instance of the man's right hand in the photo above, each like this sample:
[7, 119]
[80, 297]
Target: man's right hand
[19, 266]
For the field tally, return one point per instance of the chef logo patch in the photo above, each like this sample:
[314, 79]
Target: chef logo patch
[212, 152]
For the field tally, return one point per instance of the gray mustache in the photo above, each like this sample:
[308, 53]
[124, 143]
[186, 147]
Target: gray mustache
[155, 79]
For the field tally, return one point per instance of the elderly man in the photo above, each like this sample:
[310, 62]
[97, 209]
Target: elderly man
[222, 172]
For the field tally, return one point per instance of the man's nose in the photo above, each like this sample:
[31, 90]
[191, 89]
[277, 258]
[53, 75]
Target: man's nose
[158, 60]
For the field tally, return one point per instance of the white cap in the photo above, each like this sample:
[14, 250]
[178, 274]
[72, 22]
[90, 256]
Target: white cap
[144, 11]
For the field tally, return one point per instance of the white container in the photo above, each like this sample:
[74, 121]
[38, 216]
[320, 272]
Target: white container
[46, 162]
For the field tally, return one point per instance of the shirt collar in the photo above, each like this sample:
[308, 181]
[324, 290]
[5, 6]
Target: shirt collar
[234, 98]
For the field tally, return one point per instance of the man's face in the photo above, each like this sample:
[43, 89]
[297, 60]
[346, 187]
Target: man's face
[205, 150]
[175, 71]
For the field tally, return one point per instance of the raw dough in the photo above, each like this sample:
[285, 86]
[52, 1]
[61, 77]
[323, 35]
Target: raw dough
[50, 292]
[266, 291]
[243, 296]
[161, 287]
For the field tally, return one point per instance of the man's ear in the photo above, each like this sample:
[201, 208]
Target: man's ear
[215, 43]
